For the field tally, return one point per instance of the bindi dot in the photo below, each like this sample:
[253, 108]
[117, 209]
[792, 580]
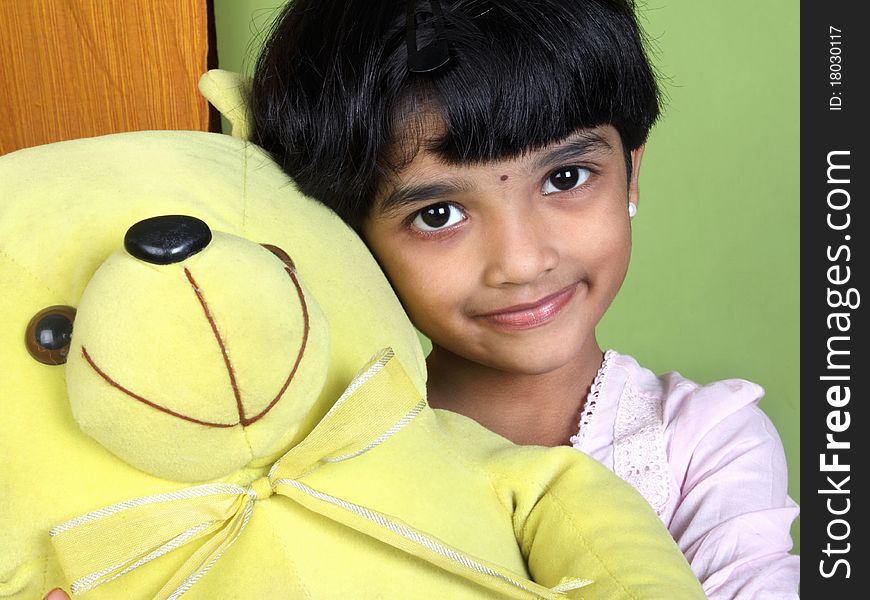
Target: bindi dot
[504, 177]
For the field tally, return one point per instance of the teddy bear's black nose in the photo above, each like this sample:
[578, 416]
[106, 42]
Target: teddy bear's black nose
[167, 239]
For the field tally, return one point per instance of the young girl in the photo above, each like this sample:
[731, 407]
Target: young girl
[489, 154]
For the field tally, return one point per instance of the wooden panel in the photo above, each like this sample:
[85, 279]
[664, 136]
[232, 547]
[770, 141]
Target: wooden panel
[79, 68]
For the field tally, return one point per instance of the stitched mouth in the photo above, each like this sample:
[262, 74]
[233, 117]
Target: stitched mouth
[244, 419]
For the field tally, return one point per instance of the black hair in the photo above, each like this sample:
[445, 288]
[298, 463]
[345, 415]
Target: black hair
[333, 95]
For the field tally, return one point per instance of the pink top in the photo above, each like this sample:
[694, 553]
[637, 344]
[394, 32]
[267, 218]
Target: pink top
[709, 462]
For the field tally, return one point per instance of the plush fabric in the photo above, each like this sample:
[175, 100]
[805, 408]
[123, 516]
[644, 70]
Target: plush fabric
[349, 485]
[230, 93]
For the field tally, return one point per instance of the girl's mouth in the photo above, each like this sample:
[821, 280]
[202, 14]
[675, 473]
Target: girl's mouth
[529, 316]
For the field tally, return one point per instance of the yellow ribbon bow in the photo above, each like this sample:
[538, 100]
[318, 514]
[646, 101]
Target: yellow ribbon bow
[103, 545]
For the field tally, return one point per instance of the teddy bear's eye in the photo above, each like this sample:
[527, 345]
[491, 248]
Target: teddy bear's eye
[282, 255]
[49, 334]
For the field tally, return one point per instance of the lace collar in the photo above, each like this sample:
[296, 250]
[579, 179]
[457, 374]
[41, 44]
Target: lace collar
[592, 399]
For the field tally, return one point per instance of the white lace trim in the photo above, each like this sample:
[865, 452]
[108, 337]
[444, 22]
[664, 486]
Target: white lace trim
[592, 400]
[638, 447]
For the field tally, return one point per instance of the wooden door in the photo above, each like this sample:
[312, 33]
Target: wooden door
[80, 68]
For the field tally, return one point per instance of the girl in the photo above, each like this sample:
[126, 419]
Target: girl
[489, 154]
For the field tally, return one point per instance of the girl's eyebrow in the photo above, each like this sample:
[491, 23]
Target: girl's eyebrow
[577, 146]
[404, 195]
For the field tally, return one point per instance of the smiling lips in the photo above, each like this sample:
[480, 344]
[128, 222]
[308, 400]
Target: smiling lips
[528, 316]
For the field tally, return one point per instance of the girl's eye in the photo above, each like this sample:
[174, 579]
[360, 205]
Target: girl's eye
[564, 179]
[438, 216]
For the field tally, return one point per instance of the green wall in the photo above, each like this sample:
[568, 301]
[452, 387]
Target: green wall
[713, 287]
[712, 290]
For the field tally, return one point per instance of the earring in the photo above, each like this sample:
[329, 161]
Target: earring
[632, 210]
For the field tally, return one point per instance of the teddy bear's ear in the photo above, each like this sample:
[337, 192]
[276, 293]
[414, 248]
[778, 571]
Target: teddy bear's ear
[230, 93]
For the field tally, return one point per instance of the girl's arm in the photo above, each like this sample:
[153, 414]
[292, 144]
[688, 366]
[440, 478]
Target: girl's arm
[733, 517]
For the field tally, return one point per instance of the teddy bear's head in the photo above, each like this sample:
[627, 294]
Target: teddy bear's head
[194, 346]
[194, 351]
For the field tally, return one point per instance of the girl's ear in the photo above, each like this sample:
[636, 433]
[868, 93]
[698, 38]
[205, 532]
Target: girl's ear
[636, 156]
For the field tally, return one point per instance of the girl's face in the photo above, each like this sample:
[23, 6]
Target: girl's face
[510, 264]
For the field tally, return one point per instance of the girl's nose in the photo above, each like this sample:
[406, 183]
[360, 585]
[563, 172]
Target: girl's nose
[519, 249]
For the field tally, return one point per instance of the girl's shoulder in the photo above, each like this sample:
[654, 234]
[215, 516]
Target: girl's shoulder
[682, 401]
[625, 392]
[649, 428]
[698, 424]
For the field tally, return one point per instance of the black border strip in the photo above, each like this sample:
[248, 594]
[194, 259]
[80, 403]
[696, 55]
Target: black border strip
[834, 193]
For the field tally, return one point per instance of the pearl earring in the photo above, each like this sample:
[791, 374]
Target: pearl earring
[632, 210]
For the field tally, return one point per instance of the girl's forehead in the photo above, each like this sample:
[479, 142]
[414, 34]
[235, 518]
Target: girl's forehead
[427, 175]
[425, 162]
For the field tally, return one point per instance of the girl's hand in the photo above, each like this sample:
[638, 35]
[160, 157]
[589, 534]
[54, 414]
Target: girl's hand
[56, 594]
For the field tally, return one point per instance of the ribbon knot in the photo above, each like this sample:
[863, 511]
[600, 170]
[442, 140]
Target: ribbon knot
[261, 488]
[108, 543]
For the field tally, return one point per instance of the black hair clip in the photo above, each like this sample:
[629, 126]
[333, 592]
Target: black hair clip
[435, 54]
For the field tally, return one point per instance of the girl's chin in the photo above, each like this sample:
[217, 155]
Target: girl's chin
[527, 353]
[530, 363]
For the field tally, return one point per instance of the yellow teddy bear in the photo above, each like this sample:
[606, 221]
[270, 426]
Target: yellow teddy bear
[190, 406]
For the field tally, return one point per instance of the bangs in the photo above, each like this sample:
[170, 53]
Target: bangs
[520, 79]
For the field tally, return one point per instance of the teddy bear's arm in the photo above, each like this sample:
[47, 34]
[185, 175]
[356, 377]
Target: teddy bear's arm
[575, 519]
